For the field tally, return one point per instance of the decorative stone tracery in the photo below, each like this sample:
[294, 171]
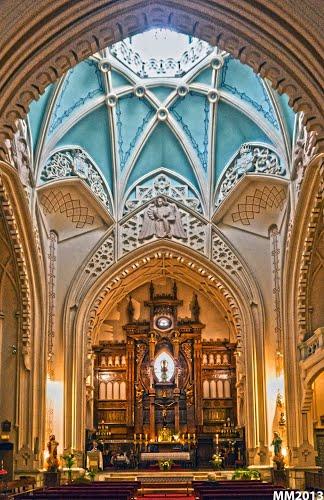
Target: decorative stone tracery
[251, 158]
[76, 162]
[224, 256]
[102, 259]
[162, 185]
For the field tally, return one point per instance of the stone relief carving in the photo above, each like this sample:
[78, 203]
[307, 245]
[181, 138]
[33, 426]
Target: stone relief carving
[19, 155]
[223, 255]
[162, 185]
[163, 221]
[256, 159]
[71, 163]
[305, 149]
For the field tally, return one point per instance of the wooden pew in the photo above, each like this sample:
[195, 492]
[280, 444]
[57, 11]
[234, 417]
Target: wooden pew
[119, 490]
[210, 490]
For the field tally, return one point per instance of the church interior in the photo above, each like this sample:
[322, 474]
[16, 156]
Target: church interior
[161, 249]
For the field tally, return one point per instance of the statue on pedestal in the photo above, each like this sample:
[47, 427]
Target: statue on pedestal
[52, 460]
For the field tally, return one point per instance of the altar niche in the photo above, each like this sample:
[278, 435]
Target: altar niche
[166, 384]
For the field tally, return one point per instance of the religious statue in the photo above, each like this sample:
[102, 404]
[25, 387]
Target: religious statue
[130, 310]
[195, 308]
[164, 370]
[163, 220]
[276, 443]
[278, 457]
[52, 460]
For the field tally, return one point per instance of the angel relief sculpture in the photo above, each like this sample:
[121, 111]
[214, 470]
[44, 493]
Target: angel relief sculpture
[163, 220]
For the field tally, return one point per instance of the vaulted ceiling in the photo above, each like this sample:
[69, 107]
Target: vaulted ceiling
[163, 104]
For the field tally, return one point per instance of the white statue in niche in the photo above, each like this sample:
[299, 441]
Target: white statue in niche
[162, 219]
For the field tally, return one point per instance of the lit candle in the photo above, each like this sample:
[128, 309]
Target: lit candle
[140, 437]
[145, 437]
[188, 436]
[134, 437]
[216, 438]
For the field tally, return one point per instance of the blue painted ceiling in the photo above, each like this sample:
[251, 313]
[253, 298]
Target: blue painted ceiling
[133, 113]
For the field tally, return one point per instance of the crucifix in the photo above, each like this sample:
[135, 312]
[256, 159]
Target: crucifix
[165, 410]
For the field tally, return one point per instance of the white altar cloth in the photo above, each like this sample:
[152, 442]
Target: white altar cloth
[165, 455]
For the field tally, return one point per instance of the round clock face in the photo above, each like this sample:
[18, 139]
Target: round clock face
[163, 323]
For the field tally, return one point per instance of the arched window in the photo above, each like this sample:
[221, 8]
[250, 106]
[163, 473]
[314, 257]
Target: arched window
[220, 389]
[123, 390]
[205, 389]
[213, 389]
[109, 390]
[227, 389]
[116, 390]
[102, 390]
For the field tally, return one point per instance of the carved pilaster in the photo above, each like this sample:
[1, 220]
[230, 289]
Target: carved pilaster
[198, 382]
[130, 351]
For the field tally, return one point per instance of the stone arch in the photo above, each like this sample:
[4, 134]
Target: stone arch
[30, 316]
[244, 309]
[34, 55]
[300, 243]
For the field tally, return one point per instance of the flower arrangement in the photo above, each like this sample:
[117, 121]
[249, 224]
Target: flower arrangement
[165, 464]
[69, 461]
[246, 474]
[91, 474]
[216, 461]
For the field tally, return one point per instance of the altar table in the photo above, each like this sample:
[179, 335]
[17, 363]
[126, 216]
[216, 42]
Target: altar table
[165, 455]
